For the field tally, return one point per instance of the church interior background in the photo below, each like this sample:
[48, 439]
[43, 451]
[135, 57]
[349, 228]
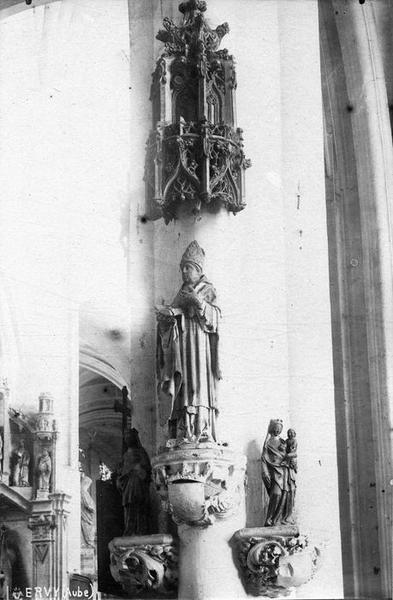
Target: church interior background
[132, 465]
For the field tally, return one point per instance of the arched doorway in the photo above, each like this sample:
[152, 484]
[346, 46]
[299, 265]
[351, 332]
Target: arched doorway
[100, 422]
[100, 440]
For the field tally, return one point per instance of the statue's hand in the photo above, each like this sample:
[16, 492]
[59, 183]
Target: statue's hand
[191, 297]
[164, 315]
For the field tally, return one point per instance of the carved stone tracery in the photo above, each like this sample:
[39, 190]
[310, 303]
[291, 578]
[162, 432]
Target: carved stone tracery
[195, 152]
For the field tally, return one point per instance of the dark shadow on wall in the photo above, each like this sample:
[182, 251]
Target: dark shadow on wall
[256, 495]
[16, 543]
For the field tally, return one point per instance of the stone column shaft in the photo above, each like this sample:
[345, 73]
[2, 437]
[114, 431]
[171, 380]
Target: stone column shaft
[360, 183]
[206, 566]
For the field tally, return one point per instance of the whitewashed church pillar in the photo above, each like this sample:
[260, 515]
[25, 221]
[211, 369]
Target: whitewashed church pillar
[309, 339]
[359, 183]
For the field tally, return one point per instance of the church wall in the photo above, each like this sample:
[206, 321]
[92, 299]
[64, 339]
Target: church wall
[140, 265]
[64, 112]
[311, 383]
[358, 177]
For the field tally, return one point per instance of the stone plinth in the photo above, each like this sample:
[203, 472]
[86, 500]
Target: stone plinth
[274, 560]
[202, 486]
[145, 565]
[88, 562]
[200, 482]
[48, 524]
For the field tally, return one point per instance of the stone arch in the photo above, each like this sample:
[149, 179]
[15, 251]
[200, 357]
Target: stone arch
[91, 359]
[100, 399]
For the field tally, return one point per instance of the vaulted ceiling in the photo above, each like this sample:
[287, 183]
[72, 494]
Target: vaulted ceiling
[100, 427]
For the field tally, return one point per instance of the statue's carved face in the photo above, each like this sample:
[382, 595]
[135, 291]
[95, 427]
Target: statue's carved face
[190, 273]
[291, 433]
[275, 429]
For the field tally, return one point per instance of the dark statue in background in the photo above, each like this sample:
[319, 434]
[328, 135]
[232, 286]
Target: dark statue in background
[1, 454]
[7, 560]
[88, 512]
[134, 485]
[187, 354]
[279, 469]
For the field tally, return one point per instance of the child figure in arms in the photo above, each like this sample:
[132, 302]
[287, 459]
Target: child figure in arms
[291, 449]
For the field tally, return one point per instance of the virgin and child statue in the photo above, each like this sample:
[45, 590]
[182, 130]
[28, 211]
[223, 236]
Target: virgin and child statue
[187, 354]
[279, 470]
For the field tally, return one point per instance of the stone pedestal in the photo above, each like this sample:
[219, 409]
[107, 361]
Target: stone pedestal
[202, 486]
[88, 563]
[48, 523]
[200, 482]
[206, 569]
[42, 525]
[272, 561]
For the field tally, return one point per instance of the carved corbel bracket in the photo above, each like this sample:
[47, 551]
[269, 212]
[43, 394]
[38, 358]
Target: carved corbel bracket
[145, 565]
[200, 483]
[274, 560]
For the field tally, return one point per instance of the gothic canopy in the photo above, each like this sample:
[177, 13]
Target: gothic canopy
[195, 151]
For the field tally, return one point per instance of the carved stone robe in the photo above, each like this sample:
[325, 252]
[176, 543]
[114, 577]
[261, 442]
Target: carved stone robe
[187, 362]
[44, 472]
[275, 474]
[21, 467]
[134, 485]
[88, 512]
